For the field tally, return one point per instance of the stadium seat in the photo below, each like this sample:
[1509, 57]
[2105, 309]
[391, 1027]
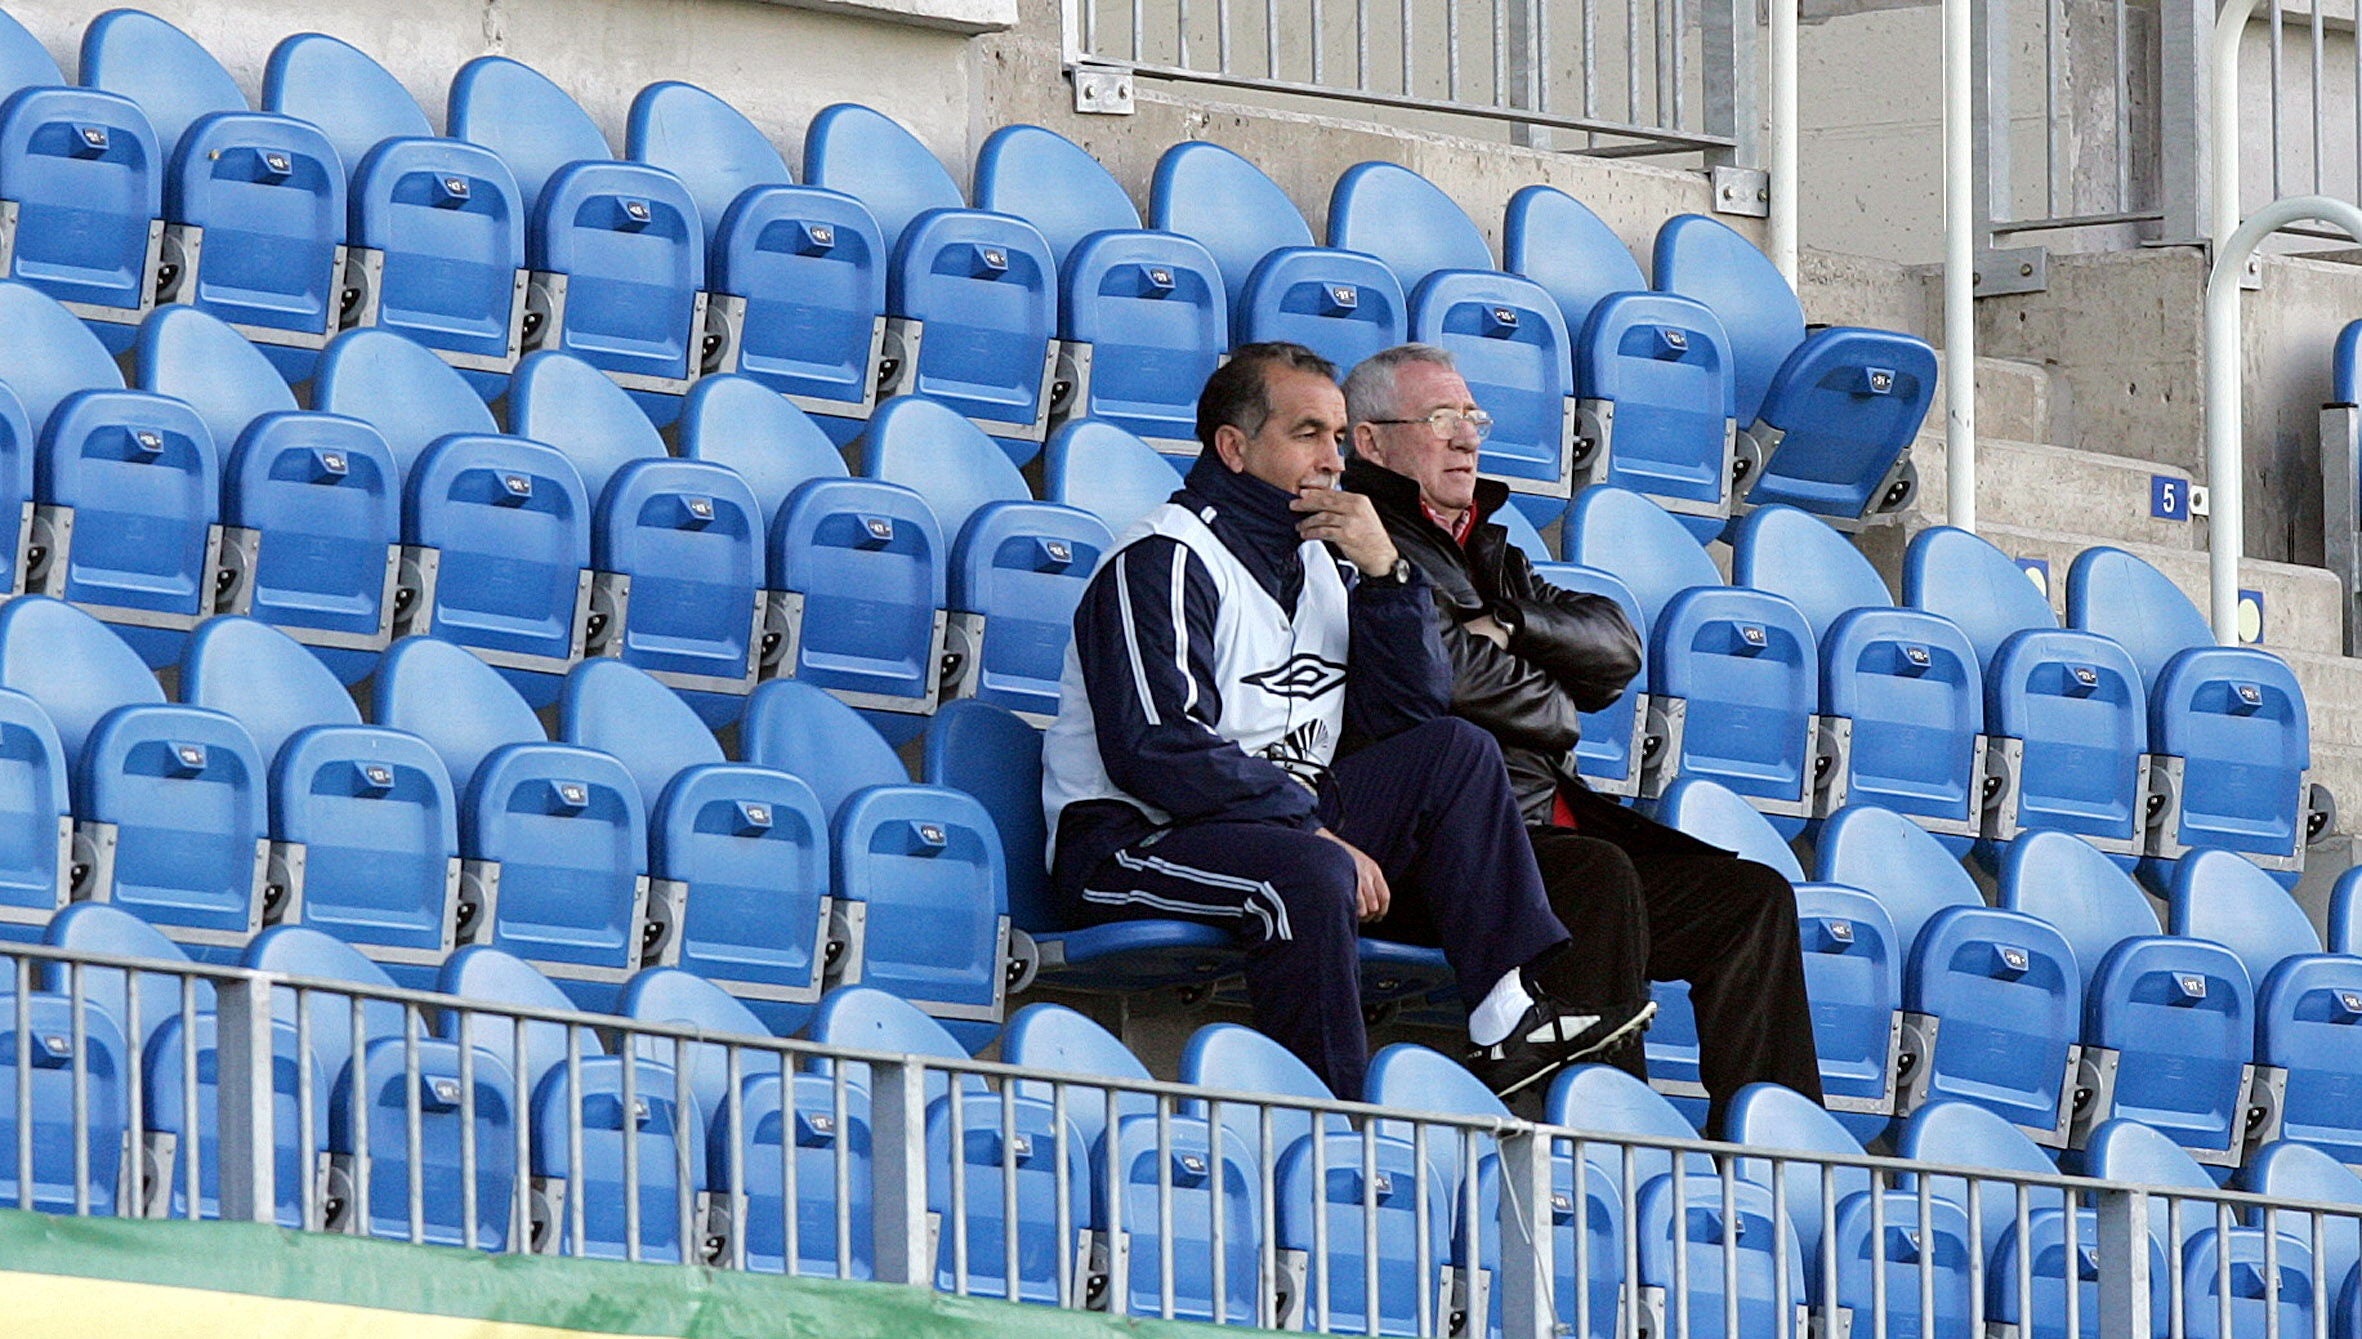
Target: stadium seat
[677, 545]
[398, 386]
[444, 695]
[1994, 1008]
[617, 249]
[797, 274]
[639, 1191]
[671, 997]
[1343, 305]
[1609, 755]
[180, 1167]
[1018, 567]
[2292, 1170]
[1107, 472]
[1236, 1058]
[1697, 1222]
[1902, 717]
[738, 854]
[532, 1050]
[2067, 732]
[74, 1084]
[1733, 680]
[859, 574]
[325, 484]
[2126, 1150]
[1925, 1251]
[1769, 1117]
[2230, 740]
[139, 1006]
[992, 754]
[437, 227]
[2345, 912]
[2308, 1050]
[88, 220]
[2169, 1022]
[1329, 1190]
[1143, 317]
[254, 202]
[1652, 371]
[1505, 332]
[1911, 874]
[1067, 1047]
[36, 821]
[738, 422]
[1832, 411]
[983, 285]
[1853, 971]
[463, 1114]
[918, 869]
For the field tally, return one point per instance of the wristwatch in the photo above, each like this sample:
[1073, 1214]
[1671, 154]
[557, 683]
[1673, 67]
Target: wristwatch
[1400, 573]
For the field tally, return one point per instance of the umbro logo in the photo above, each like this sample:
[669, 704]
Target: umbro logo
[1305, 675]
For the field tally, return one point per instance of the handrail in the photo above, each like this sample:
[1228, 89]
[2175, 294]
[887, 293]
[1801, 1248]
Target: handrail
[2222, 119]
[2225, 481]
[1960, 317]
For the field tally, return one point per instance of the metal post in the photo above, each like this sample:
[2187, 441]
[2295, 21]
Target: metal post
[1960, 319]
[242, 1061]
[1726, 31]
[898, 1156]
[2224, 404]
[2124, 1263]
[1782, 149]
[1526, 1264]
[2221, 125]
[2188, 171]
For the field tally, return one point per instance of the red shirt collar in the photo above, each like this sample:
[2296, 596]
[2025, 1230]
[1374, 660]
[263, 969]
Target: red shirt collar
[1459, 531]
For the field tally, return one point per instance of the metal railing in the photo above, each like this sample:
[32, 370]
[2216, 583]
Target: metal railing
[1640, 77]
[979, 1178]
[2312, 114]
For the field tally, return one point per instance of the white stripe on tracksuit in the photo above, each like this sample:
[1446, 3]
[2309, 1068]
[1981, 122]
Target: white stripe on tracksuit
[1275, 918]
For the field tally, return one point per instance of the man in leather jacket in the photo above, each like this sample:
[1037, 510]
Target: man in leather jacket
[1643, 901]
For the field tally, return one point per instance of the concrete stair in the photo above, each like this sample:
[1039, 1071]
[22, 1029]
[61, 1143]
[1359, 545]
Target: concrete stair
[2023, 483]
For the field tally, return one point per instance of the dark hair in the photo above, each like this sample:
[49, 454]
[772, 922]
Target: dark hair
[1239, 394]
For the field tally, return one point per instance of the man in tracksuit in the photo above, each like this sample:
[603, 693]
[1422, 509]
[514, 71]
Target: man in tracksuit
[1233, 637]
[1643, 901]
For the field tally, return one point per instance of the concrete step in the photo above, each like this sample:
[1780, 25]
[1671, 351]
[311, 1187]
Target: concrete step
[2333, 698]
[2339, 767]
[2016, 401]
[2024, 483]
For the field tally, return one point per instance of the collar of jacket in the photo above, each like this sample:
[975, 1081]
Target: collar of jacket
[1397, 495]
[1253, 521]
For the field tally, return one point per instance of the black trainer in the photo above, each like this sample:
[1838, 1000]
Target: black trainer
[1548, 1039]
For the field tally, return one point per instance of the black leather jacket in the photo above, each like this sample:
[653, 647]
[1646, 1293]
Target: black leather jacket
[1567, 653]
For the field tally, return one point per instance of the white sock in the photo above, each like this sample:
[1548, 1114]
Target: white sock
[1492, 1020]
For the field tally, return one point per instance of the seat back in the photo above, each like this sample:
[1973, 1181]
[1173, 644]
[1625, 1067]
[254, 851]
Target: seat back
[1769, 1116]
[403, 390]
[1555, 240]
[379, 825]
[2221, 896]
[1691, 1226]
[991, 753]
[925, 864]
[1954, 573]
[195, 1130]
[2010, 994]
[74, 1087]
[2289, 1170]
[865, 1018]
[1604, 1100]
[1154, 313]
[533, 1050]
[2066, 881]
[1388, 211]
[1624, 534]
[1927, 1253]
[2180, 1015]
[1744, 664]
[571, 834]
[930, 449]
[143, 477]
[51, 354]
[2306, 1012]
[1205, 1173]
[1053, 183]
[870, 157]
[1896, 861]
[1377, 1183]
[1715, 814]
[985, 286]
[338, 1025]
[511, 524]
[327, 488]
[809, 266]
[688, 538]
[455, 702]
[1056, 1040]
[749, 845]
[1106, 471]
[1655, 372]
[1701, 258]
[1341, 305]
[2075, 701]
[622, 1101]
[1853, 974]
[2345, 912]
[1236, 1058]
[871, 566]
[174, 80]
[672, 997]
[799, 1126]
[612, 707]
[267, 680]
[24, 61]
[559, 400]
[739, 422]
[1206, 192]
[1964, 1134]
[1017, 575]
[71, 664]
[2123, 598]
[1796, 554]
[515, 111]
[140, 1003]
[36, 823]
[626, 241]
[444, 228]
[378, 1091]
[84, 216]
[354, 100]
[193, 356]
[800, 729]
[710, 145]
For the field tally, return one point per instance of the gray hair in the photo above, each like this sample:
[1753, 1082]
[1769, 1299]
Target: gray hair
[1369, 387]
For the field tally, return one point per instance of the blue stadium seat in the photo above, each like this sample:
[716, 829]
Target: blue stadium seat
[398, 386]
[638, 1138]
[1833, 411]
[2169, 1022]
[2127, 1150]
[2307, 1003]
[1925, 1253]
[1328, 1191]
[89, 223]
[1506, 332]
[139, 1006]
[2230, 739]
[1236, 1058]
[1416, 1079]
[254, 202]
[1609, 755]
[918, 869]
[671, 997]
[2292, 1170]
[1204, 1170]
[1018, 567]
[77, 1068]
[437, 226]
[1107, 472]
[455, 702]
[617, 249]
[127, 515]
[677, 545]
[189, 355]
[181, 1142]
[992, 754]
[1994, 1007]
[1652, 371]
[1684, 1218]
[797, 274]
[1853, 969]
[1902, 710]
[464, 1109]
[497, 530]
[36, 820]
[330, 1015]
[2067, 731]
[1066, 1046]
[1343, 305]
[271, 684]
[1733, 680]
[738, 422]
[51, 355]
[1769, 1117]
[570, 833]
[1604, 1100]
[532, 1050]
[739, 853]
[1895, 860]
[1143, 317]
[2345, 912]
[859, 572]
[971, 296]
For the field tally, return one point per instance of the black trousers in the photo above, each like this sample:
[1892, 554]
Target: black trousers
[1432, 806]
[1645, 903]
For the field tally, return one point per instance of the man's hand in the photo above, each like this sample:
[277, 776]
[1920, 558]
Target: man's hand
[1484, 626]
[1369, 881]
[1348, 521]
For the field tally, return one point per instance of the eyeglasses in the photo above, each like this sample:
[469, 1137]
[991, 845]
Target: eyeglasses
[1446, 423]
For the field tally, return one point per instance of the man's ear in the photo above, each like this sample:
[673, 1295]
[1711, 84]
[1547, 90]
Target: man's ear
[1231, 445]
[1364, 442]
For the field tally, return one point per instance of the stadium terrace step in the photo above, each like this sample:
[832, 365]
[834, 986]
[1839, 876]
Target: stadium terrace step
[2021, 482]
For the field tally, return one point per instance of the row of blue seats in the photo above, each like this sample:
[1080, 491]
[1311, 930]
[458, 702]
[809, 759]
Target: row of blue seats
[698, 253]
